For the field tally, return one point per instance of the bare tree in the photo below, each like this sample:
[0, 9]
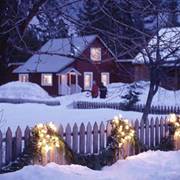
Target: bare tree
[131, 35]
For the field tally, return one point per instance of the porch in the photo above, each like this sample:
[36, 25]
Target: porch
[68, 82]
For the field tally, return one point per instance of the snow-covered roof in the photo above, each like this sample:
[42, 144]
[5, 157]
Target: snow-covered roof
[169, 45]
[56, 63]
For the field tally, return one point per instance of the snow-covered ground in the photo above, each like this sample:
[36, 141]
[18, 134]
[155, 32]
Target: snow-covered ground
[151, 165]
[115, 90]
[19, 90]
[29, 114]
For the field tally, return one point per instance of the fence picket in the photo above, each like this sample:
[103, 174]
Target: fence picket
[18, 142]
[8, 155]
[147, 133]
[157, 131]
[142, 131]
[108, 130]
[152, 133]
[86, 140]
[139, 107]
[61, 130]
[75, 138]
[26, 137]
[68, 135]
[102, 128]
[89, 138]
[161, 128]
[82, 139]
[95, 138]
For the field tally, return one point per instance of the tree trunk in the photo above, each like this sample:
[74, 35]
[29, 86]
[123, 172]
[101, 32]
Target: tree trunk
[153, 87]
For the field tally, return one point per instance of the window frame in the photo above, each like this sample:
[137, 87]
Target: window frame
[91, 74]
[108, 75]
[42, 81]
[24, 74]
[96, 61]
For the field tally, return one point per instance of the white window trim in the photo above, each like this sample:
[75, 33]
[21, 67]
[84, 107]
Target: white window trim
[42, 82]
[24, 75]
[100, 54]
[91, 73]
[106, 73]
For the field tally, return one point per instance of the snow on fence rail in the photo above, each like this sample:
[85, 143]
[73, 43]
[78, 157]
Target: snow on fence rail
[20, 101]
[120, 106]
[84, 140]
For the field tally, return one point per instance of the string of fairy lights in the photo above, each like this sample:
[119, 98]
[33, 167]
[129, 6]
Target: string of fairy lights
[46, 137]
[122, 132]
[175, 123]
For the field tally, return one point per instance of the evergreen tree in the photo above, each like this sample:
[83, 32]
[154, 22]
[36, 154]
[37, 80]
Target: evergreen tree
[132, 96]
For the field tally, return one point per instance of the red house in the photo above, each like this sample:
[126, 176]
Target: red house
[88, 59]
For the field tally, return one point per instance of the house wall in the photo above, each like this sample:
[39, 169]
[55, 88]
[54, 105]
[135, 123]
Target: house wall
[107, 64]
[141, 72]
[36, 78]
[170, 76]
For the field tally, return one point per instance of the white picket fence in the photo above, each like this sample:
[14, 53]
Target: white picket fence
[90, 139]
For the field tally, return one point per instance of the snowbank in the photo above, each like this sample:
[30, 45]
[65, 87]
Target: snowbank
[25, 90]
[145, 166]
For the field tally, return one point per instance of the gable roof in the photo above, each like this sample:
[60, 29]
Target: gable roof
[55, 63]
[169, 44]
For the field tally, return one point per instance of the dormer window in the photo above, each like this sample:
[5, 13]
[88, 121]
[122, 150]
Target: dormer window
[95, 54]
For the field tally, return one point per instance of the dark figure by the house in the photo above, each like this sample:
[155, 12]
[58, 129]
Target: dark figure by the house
[103, 91]
[95, 90]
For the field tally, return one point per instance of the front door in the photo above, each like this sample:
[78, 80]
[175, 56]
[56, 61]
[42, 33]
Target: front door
[63, 90]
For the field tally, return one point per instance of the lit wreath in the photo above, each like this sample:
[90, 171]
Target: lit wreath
[122, 133]
[174, 122]
[45, 137]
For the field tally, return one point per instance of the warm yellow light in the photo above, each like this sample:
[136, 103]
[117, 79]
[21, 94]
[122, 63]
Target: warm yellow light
[172, 118]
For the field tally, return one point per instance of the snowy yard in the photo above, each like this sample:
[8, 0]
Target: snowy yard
[30, 114]
[145, 166]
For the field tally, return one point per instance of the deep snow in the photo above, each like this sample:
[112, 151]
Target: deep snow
[13, 115]
[151, 165]
[25, 90]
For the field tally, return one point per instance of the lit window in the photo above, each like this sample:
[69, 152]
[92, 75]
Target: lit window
[46, 79]
[88, 78]
[23, 77]
[95, 54]
[105, 78]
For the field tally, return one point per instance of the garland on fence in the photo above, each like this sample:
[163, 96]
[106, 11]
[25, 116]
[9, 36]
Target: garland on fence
[45, 138]
[174, 122]
[122, 134]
